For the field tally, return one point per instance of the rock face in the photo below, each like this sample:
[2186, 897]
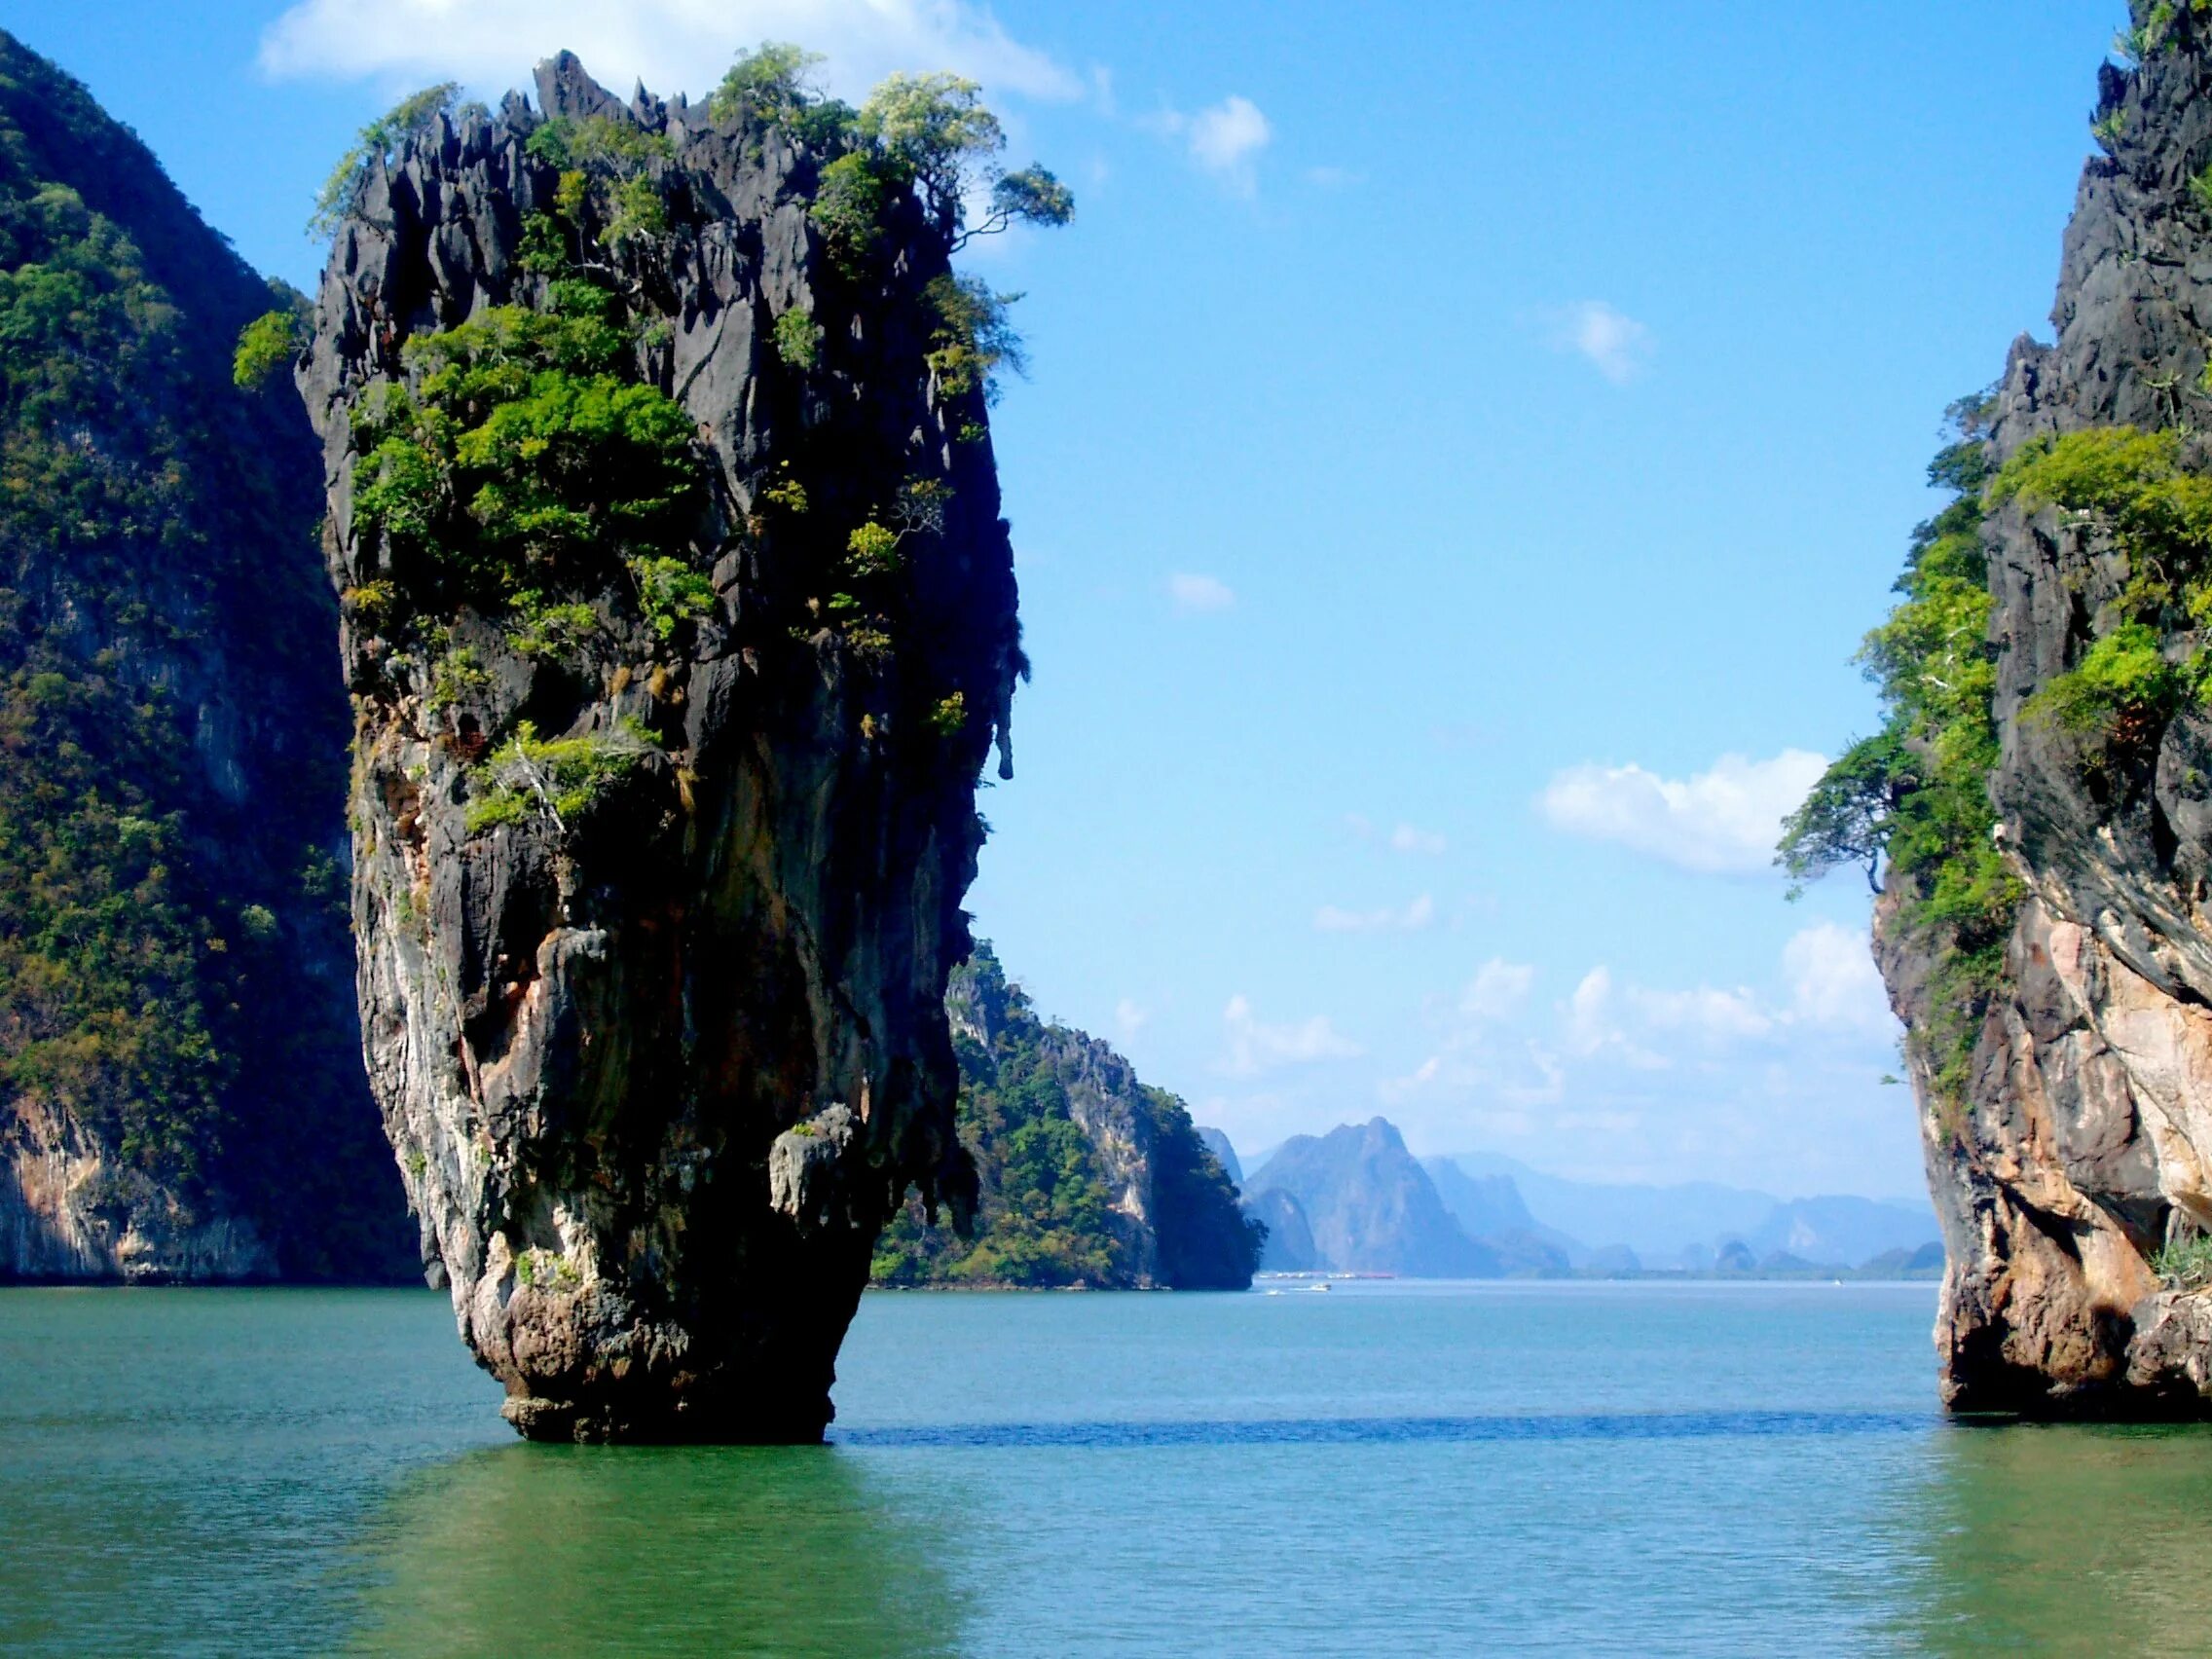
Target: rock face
[1088, 1176]
[1224, 1154]
[1369, 1205]
[2083, 1140]
[180, 1088]
[1289, 1247]
[1491, 1211]
[659, 1065]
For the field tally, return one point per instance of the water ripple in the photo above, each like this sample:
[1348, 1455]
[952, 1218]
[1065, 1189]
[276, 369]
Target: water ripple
[1391, 1430]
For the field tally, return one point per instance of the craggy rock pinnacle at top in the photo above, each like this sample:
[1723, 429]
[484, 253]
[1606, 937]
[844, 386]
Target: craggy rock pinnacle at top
[2075, 1160]
[680, 620]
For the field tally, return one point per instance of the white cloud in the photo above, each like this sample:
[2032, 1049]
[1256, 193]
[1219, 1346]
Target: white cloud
[1832, 980]
[1590, 1021]
[1131, 1016]
[1483, 1051]
[1225, 139]
[1712, 1016]
[1199, 596]
[1419, 914]
[671, 45]
[1602, 1016]
[1498, 991]
[1406, 839]
[1617, 345]
[1255, 1047]
[1721, 822]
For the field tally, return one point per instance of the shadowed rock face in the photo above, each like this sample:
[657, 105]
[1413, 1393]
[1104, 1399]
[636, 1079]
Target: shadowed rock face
[658, 1074]
[2085, 1138]
[180, 1088]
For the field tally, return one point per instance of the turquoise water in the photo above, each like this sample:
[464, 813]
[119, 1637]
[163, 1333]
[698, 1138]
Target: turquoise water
[1383, 1469]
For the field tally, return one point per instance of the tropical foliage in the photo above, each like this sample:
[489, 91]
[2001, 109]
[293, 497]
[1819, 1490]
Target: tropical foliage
[1047, 1217]
[174, 969]
[1917, 792]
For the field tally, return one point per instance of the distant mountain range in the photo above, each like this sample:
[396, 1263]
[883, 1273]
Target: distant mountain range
[1357, 1200]
[1686, 1226]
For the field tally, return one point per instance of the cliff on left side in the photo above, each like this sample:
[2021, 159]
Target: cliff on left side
[181, 1095]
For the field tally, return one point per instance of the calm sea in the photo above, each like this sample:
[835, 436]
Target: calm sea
[1379, 1469]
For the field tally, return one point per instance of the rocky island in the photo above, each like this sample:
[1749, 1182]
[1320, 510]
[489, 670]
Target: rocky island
[680, 620]
[2041, 800]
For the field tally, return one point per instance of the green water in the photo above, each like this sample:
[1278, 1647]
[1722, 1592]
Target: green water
[1579, 1468]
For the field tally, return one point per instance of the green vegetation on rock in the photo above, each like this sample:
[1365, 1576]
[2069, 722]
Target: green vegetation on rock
[1047, 1216]
[375, 146]
[2135, 488]
[1917, 792]
[2185, 1265]
[522, 455]
[174, 967]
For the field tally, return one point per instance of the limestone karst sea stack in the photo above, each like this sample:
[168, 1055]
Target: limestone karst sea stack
[680, 622]
[2044, 795]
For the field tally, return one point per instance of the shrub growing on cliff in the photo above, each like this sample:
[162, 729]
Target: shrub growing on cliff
[266, 345]
[798, 340]
[2185, 1265]
[525, 458]
[929, 136]
[974, 338]
[1917, 793]
[377, 145]
[2134, 488]
[770, 81]
[564, 779]
[607, 191]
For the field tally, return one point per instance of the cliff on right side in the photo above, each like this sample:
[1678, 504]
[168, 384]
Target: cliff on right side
[2038, 811]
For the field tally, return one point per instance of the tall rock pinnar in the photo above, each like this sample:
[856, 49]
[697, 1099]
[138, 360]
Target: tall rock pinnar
[680, 619]
[2044, 796]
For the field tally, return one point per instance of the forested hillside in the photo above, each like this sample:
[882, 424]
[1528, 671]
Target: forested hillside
[1089, 1177]
[180, 1088]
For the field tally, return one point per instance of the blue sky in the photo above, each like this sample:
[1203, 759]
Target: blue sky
[1462, 454]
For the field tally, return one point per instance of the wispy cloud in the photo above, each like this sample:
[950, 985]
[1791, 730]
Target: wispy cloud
[1408, 838]
[1829, 985]
[1224, 139]
[671, 45]
[1616, 344]
[1832, 980]
[1498, 991]
[1419, 914]
[1724, 821]
[1198, 595]
[1255, 1047]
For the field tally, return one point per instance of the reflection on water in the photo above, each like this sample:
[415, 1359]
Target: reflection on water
[528, 1549]
[1555, 1469]
[2062, 1539]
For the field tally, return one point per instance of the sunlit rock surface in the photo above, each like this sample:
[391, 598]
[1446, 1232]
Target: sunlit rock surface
[659, 1078]
[2084, 1142]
